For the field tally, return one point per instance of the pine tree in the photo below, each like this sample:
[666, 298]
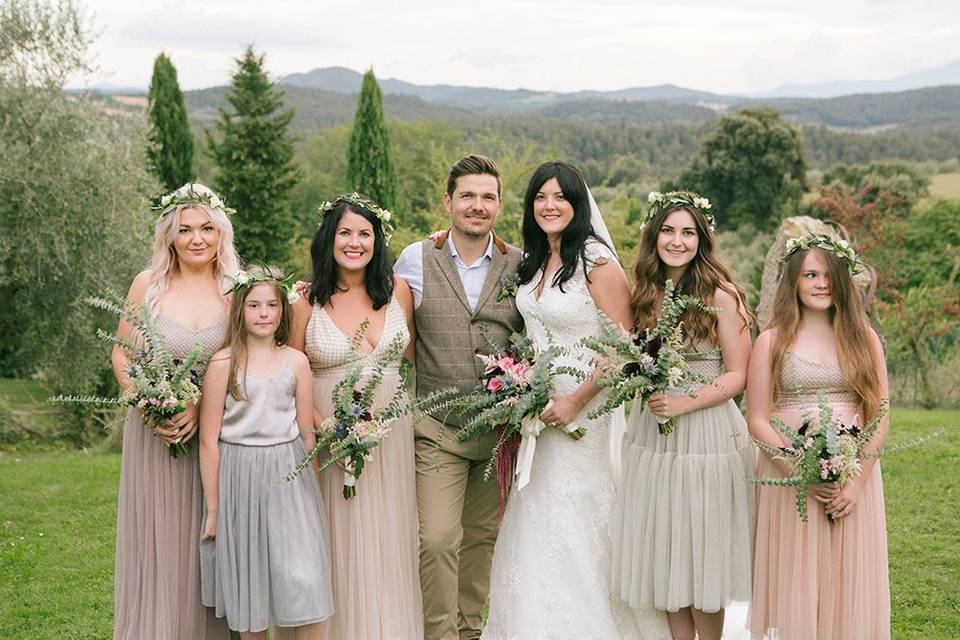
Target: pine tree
[369, 166]
[171, 144]
[254, 153]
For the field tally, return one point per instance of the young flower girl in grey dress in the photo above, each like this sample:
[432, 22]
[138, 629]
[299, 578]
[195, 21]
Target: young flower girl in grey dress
[266, 555]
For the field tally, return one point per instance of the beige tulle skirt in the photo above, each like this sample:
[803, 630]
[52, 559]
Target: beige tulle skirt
[819, 580]
[157, 577]
[374, 537]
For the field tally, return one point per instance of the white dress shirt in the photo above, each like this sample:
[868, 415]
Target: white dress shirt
[409, 266]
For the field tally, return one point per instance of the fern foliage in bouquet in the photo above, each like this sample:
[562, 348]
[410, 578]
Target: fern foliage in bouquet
[649, 362]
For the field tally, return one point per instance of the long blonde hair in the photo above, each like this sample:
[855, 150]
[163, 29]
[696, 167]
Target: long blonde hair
[850, 326]
[237, 330]
[164, 263]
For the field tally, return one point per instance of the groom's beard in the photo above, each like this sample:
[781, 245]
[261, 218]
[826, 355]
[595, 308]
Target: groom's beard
[472, 234]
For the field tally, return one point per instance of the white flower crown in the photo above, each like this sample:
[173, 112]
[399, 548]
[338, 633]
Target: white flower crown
[677, 199]
[383, 215]
[190, 193]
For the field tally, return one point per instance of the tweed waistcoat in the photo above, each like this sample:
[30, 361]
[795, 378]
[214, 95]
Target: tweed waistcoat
[449, 335]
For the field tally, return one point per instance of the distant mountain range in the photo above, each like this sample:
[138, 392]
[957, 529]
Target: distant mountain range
[948, 74]
[327, 97]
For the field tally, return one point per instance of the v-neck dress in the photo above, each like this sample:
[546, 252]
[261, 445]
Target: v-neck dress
[157, 574]
[373, 537]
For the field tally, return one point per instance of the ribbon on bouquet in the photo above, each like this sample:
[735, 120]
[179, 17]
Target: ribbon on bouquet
[530, 428]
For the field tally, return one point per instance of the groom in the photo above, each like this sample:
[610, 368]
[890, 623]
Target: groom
[462, 307]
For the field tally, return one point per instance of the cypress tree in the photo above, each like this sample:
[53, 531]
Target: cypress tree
[369, 166]
[254, 153]
[171, 144]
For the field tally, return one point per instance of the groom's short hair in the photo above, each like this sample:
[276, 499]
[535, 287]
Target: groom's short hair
[471, 165]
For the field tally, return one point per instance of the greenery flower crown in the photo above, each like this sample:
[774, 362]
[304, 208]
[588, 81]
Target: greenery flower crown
[383, 215]
[837, 246]
[678, 199]
[246, 279]
[190, 193]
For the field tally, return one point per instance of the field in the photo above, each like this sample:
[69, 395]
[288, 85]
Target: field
[58, 515]
[945, 186]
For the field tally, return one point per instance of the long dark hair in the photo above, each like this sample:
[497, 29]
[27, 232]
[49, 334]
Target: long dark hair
[573, 240]
[378, 278]
[702, 277]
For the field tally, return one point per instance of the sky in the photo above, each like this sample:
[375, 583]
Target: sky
[723, 46]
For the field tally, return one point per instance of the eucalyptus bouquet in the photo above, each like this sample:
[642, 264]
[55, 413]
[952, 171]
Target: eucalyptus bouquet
[355, 429]
[514, 390]
[820, 451]
[640, 365]
[161, 386]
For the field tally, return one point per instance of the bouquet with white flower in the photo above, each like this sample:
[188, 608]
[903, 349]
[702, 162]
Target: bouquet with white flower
[355, 429]
[161, 386]
[514, 390]
[640, 365]
[821, 451]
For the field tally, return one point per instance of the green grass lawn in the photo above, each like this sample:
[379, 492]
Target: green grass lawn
[58, 518]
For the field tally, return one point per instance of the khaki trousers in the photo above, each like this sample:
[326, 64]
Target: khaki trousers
[458, 514]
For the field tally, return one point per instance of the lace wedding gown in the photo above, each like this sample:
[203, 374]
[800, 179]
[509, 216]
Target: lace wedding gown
[551, 566]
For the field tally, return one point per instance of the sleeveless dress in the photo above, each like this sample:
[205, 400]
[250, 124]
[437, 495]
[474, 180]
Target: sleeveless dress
[684, 523]
[819, 580]
[157, 575]
[270, 561]
[373, 536]
[551, 564]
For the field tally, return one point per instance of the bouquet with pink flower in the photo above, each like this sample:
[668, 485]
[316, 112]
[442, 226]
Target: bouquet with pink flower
[161, 386]
[514, 390]
[820, 451]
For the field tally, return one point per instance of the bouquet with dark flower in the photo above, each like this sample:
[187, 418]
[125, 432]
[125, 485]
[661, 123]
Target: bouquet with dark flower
[161, 386]
[646, 363]
[355, 429]
[514, 390]
[820, 451]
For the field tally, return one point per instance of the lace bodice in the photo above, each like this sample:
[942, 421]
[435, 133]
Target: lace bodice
[802, 381]
[328, 348]
[181, 340]
[564, 317]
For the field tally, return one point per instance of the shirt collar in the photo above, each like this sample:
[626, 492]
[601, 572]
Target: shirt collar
[488, 254]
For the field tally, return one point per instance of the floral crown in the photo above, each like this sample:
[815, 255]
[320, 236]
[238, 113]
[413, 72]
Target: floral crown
[383, 215]
[190, 193]
[837, 246]
[246, 279]
[677, 199]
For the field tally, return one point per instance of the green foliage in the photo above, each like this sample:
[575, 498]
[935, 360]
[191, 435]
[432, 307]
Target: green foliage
[369, 164]
[902, 180]
[751, 168]
[171, 142]
[72, 217]
[255, 158]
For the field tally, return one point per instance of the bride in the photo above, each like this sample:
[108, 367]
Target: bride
[551, 566]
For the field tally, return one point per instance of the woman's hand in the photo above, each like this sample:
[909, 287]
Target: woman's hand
[824, 492]
[210, 527]
[666, 406]
[844, 502]
[561, 411]
[184, 424]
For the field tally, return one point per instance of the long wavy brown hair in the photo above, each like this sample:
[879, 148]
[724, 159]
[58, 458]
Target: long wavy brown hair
[237, 333]
[850, 326]
[702, 277]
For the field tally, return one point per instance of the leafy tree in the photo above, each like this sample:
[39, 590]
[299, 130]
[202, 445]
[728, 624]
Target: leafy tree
[751, 167]
[255, 156]
[369, 165]
[73, 220]
[171, 143]
[881, 179]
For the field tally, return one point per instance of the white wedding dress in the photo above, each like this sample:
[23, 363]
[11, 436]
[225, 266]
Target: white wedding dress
[551, 566]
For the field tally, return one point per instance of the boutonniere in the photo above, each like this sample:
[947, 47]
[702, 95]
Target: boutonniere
[508, 286]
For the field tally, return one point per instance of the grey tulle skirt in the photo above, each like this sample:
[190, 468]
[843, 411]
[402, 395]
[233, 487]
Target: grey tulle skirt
[270, 563]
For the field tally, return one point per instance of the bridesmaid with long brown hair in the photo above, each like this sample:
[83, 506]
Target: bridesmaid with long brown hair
[685, 511]
[824, 579]
[157, 577]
